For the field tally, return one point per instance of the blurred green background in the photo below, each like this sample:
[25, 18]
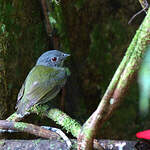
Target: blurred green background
[95, 33]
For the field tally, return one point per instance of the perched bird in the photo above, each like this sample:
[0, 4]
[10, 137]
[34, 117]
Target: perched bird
[43, 82]
[144, 83]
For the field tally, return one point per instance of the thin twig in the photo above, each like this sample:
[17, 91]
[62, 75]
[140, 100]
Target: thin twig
[145, 7]
[136, 14]
[144, 4]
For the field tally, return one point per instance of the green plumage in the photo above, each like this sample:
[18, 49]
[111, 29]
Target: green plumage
[42, 84]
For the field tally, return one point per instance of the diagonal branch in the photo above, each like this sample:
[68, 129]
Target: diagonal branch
[118, 86]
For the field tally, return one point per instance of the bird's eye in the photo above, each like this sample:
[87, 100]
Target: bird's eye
[54, 58]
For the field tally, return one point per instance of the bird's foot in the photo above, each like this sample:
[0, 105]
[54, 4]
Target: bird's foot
[59, 132]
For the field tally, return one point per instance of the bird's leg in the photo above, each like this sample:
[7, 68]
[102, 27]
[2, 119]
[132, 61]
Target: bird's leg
[61, 134]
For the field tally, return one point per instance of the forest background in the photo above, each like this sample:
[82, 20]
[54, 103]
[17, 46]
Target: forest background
[95, 33]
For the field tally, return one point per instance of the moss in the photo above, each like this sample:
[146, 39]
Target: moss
[36, 141]
[39, 109]
[14, 115]
[87, 132]
[2, 142]
[71, 126]
[66, 122]
[20, 125]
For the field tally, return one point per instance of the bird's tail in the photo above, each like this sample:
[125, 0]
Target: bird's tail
[21, 109]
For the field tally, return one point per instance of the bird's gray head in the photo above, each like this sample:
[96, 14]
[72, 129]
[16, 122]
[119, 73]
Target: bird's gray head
[53, 58]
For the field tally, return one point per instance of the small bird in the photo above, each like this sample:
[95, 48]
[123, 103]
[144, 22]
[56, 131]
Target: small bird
[43, 82]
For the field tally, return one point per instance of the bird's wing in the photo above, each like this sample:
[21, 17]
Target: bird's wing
[39, 90]
[41, 81]
[21, 92]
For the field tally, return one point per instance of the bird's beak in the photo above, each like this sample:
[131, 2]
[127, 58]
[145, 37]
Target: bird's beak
[66, 55]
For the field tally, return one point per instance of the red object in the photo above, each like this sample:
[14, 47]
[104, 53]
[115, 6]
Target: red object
[143, 135]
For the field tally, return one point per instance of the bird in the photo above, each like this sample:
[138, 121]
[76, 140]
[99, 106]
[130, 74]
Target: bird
[43, 82]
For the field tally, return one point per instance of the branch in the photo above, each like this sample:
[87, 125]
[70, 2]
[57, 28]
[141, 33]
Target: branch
[61, 118]
[47, 22]
[28, 128]
[14, 117]
[46, 6]
[56, 115]
[118, 86]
